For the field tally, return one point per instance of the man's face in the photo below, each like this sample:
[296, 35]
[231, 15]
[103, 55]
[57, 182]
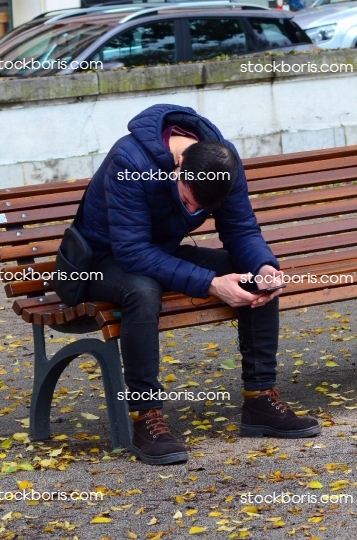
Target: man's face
[187, 198]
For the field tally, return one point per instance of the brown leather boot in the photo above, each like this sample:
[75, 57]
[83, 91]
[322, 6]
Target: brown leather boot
[152, 441]
[264, 413]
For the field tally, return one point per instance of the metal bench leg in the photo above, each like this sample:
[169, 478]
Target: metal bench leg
[48, 371]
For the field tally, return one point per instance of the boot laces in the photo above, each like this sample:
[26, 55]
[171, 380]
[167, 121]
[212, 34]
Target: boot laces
[155, 423]
[274, 397]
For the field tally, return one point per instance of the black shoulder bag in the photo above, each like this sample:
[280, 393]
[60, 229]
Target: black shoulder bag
[74, 257]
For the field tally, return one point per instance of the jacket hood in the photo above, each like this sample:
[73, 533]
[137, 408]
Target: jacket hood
[147, 127]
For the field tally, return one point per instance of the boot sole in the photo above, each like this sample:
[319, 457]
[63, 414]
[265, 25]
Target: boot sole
[178, 457]
[260, 431]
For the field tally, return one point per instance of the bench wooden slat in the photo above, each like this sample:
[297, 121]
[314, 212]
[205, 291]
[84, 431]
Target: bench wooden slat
[303, 167]
[43, 189]
[50, 200]
[19, 288]
[28, 303]
[309, 245]
[40, 267]
[297, 157]
[319, 260]
[32, 234]
[341, 266]
[285, 183]
[35, 249]
[308, 196]
[41, 215]
[60, 316]
[335, 294]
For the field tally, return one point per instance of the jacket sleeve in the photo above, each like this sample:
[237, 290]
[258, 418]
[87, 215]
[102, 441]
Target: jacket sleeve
[130, 228]
[239, 230]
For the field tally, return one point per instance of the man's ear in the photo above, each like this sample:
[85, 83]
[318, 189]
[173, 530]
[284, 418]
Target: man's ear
[179, 162]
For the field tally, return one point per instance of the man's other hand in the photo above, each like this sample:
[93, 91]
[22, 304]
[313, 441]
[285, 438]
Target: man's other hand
[227, 288]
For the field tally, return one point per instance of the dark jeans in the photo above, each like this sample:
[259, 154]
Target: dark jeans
[140, 301]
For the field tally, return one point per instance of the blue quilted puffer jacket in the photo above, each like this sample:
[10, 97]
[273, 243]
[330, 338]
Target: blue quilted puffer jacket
[140, 220]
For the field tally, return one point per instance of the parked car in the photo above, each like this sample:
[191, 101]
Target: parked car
[330, 25]
[165, 34]
[65, 13]
[114, 6]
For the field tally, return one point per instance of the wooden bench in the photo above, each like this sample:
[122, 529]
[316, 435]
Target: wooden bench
[306, 204]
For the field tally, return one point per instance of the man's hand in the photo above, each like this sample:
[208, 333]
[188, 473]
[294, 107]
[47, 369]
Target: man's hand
[270, 277]
[227, 289]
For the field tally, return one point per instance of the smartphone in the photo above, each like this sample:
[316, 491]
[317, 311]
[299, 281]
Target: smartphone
[268, 290]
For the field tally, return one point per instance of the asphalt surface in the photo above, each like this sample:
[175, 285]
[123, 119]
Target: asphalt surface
[227, 488]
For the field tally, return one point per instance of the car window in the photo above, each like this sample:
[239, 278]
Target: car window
[51, 45]
[213, 37]
[143, 45]
[272, 33]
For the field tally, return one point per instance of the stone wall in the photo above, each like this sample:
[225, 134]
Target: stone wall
[61, 127]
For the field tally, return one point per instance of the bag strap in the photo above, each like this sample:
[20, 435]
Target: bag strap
[78, 216]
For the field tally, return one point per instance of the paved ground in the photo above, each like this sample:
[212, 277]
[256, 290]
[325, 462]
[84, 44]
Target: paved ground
[226, 489]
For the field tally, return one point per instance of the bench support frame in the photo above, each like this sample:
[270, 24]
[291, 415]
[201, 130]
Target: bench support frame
[48, 371]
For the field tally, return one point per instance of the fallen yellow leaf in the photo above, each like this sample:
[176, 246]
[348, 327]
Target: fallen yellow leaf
[89, 416]
[331, 363]
[315, 484]
[25, 484]
[197, 530]
[102, 519]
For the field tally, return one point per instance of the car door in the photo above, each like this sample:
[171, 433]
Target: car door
[215, 36]
[146, 44]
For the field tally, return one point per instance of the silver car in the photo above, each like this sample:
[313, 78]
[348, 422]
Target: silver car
[155, 35]
[330, 25]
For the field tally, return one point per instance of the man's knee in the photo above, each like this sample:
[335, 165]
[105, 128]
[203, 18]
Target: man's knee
[144, 291]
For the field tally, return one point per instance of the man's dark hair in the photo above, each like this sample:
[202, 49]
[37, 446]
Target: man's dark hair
[210, 169]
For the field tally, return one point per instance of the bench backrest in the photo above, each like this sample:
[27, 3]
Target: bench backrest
[305, 203]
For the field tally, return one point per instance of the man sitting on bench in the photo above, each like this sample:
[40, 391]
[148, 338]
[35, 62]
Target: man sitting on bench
[157, 184]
